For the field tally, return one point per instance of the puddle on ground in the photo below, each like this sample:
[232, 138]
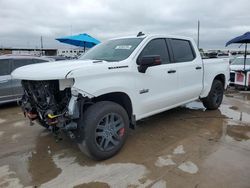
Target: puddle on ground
[235, 134]
[20, 124]
[7, 179]
[164, 161]
[242, 143]
[14, 170]
[45, 133]
[93, 185]
[235, 115]
[159, 184]
[227, 110]
[188, 167]
[2, 120]
[239, 133]
[179, 150]
[115, 175]
[195, 105]
[73, 174]
[242, 95]
[41, 166]
[15, 137]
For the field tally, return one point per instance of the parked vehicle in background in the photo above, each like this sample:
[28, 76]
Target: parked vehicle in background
[11, 89]
[212, 55]
[97, 98]
[232, 58]
[238, 64]
[223, 55]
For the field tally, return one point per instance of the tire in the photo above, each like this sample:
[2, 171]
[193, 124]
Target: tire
[215, 96]
[103, 130]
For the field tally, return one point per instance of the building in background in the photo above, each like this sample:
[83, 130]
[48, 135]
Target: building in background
[70, 52]
[29, 51]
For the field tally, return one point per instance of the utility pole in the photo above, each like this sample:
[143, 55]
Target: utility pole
[198, 35]
[41, 45]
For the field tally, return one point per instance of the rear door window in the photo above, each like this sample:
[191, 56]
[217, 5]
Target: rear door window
[4, 67]
[157, 47]
[21, 62]
[182, 50]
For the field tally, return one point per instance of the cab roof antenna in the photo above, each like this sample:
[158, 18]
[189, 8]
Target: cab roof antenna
[140, 34]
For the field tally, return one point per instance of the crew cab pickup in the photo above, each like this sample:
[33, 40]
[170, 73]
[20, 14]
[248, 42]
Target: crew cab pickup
[97, 98]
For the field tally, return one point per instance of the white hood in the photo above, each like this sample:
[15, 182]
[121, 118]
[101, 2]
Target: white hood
[49, 71]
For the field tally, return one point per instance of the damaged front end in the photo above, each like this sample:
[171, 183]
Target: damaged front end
[52, 104]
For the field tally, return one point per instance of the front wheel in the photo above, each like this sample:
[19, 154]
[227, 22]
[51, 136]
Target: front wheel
[103, 128]
[215, 96]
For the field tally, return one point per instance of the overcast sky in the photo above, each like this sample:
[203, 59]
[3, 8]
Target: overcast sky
[22, 22]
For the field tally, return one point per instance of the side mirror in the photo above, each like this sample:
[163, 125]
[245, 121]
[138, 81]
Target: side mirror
[148, 61]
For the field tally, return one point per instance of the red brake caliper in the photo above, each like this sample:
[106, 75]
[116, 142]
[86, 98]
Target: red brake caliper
[121, 132]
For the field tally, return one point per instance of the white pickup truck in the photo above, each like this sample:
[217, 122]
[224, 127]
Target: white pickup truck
[97, 98]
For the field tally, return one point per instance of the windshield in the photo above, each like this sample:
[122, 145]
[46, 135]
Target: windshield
[240, 61]
[113, 50]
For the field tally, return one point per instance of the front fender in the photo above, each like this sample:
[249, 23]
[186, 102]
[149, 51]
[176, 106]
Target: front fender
[106, 81]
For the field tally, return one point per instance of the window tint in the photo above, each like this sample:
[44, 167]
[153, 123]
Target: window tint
[4, 67]
[182, 50]
[21, 62]
[157, 47]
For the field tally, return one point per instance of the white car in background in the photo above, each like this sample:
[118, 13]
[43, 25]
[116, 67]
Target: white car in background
[238, 64]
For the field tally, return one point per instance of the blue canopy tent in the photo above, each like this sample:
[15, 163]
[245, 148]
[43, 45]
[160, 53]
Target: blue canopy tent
[83, 40]
[242, 39]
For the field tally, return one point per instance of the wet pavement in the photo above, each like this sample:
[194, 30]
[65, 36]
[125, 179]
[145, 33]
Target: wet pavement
[184, 147]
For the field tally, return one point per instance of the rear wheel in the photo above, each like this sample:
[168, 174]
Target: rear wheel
[215, 96]
[103, 129]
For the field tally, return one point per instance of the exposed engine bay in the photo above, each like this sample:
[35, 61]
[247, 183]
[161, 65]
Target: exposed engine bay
[47, 102]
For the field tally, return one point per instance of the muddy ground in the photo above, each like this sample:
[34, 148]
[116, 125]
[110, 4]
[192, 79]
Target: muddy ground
[184, 147]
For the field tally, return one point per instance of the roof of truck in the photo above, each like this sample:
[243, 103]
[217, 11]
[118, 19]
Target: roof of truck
[155, 36]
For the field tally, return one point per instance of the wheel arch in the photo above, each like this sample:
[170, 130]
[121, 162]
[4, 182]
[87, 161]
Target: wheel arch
[207, 86]
[120, 98]
[222, 78]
